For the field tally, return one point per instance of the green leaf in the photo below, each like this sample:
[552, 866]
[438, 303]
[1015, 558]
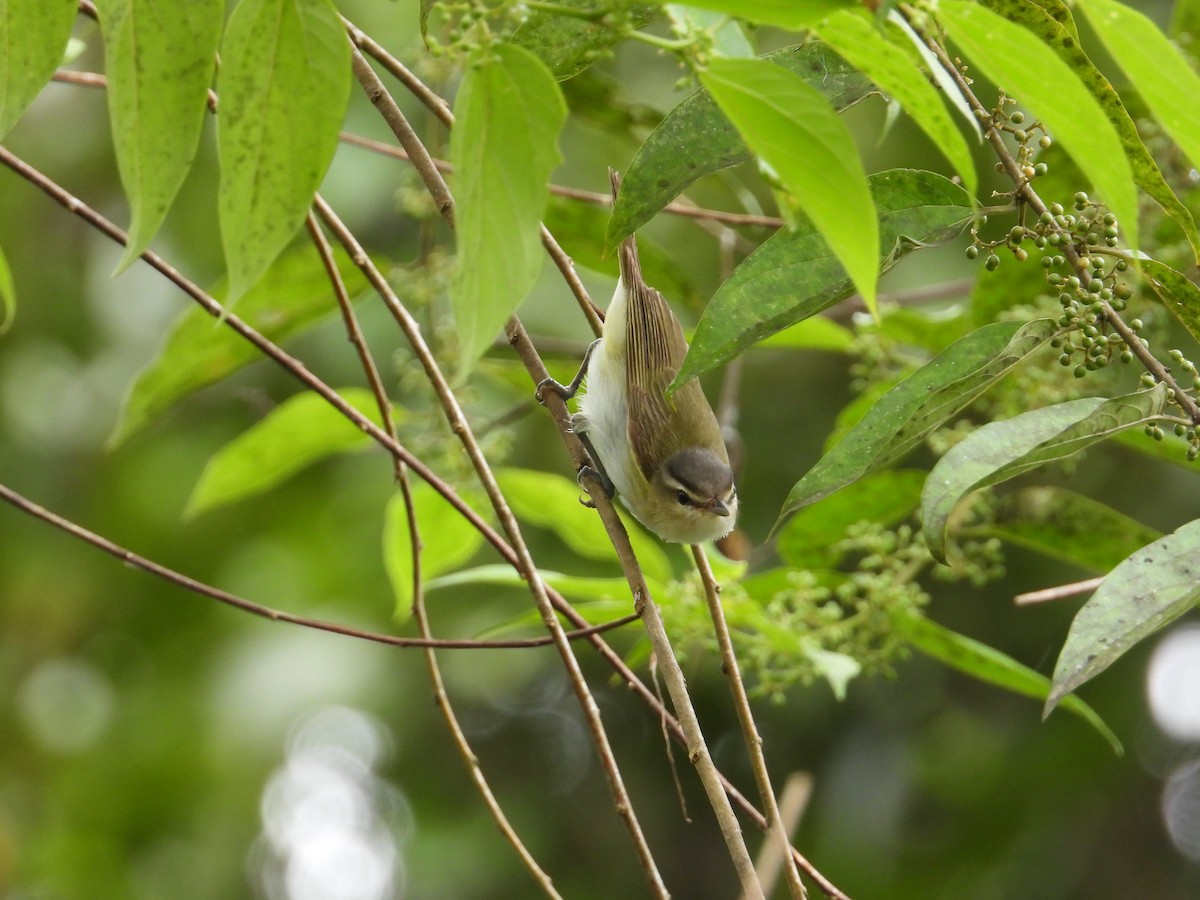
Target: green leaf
[1155, 66]
[1178, 293]
[794, 274]
[855, 36]
[836, 668]
[447, 541]
[284, 83]
[508, 114]
[1152, 588]
[551, 501]
[1033, 73]
[696, 139]
[904, 416]
[576, 587]
[813, 333]
[989, 665]
[300, 431]
[159, 60]
[198, 351]
[34, 36]
[1052, 22]
[569, 44]
[999, 451]
[8, 295]
[794, 131]
[806, 541]
[782, 13]
[1069, 526]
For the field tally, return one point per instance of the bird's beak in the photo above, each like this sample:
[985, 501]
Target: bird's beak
[717, 507]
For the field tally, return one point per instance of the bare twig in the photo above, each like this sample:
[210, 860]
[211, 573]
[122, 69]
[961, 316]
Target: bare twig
[1061, 592]
[793, 800]
[461, 427]
[750, 736]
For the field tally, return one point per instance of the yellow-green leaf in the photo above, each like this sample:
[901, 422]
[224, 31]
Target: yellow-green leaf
[34, 36]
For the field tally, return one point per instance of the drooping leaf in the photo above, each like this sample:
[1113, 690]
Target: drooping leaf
[781, 13]
[836, 668]
[34, 36]
[798, 135]
[989, 665]
[284, 85]
[805, 542]
[1069, 526]
[1052, 23]
[160, 61]
[577, 587]
[197, 352]
[794, 274]
[298, 433]
[855, 36]
[504, 144]
[8, 295]
[568, 44]
[1153, 587]
[904, 35]
[911, 410]
[1178, 293]
[447, 541]
[551, 501]
[999, 451]
[1032, 72]
[696, 139]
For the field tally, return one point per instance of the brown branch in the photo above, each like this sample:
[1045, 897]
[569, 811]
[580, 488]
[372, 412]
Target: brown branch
[1060, 592]
[8, 495]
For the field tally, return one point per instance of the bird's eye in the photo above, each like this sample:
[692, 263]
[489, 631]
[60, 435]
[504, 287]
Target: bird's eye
[683, 498]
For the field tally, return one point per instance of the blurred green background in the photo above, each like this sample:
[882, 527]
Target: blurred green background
[156, 744]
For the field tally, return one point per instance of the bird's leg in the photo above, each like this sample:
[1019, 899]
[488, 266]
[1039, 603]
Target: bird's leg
[567, 391]
[593, 474]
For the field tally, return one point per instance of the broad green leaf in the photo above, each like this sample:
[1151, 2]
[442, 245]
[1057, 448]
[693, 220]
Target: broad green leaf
[728, 38]
[813, 333]
[1153, 587]
[198, 351]
[551, 501]
[855, 36]
[576, 587]
[1155, 66]
[447, 541]
[907, 414]
[1033, 73]
[798, 135]
[568, 44]
[33, 35]
[284, 84]
[8, 295]
[991, 666]
[696, 139]
[159, 59]
[1178, 293]
[1069, 526]
[782, 13]
[794, 274]
[1052, 22]
[296, 434]
[806, 541]
[504, 145]
[999, 451]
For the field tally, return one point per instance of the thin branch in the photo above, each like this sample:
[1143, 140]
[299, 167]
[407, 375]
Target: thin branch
[793, 800]
[137, 561]
[461, 427]
[1061, 592]
[750, 736]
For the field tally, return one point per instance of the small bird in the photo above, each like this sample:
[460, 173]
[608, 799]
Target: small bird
[665, 456]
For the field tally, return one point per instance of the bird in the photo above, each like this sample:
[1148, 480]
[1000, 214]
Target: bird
[663, 453]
